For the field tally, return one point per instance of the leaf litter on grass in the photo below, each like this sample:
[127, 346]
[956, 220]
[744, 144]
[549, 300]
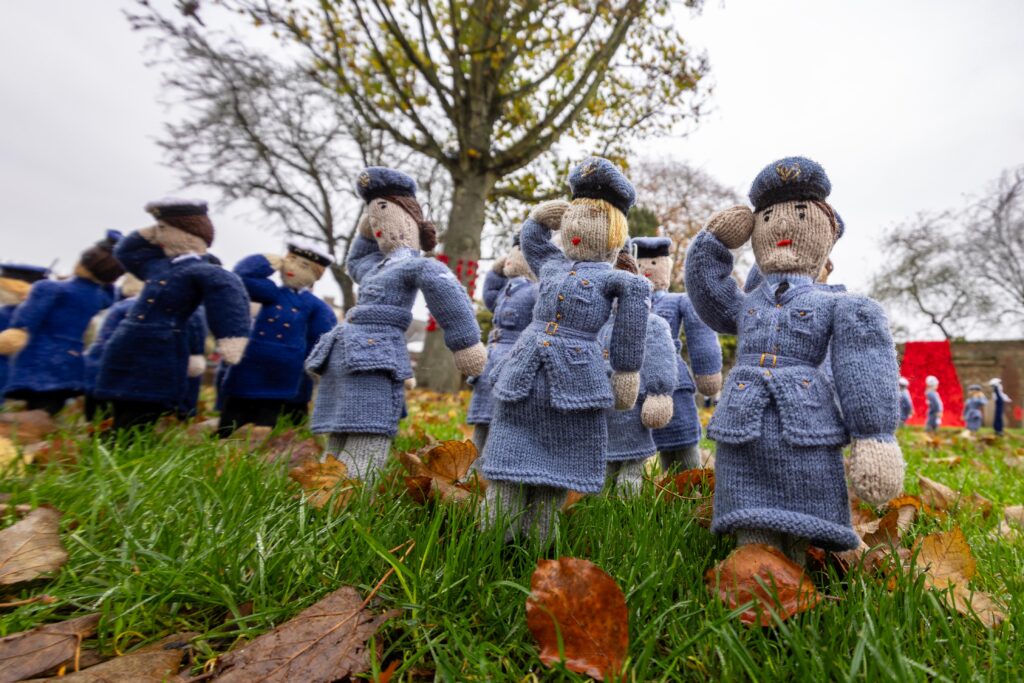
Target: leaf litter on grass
[325, 483]
[945, 560]
[153, 663]
[31, 547]
[30, 653]
[441, 472]
[762, 577]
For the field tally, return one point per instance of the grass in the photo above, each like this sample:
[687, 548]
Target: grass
[166, 536]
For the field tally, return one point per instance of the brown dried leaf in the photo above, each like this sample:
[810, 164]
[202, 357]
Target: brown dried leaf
[576, 599]
[440, 472]
[31, 547]
[571, 499]
[1014, 461]
[325, 482]
[762, 575]
[288, 445]
[945, 559]
[323, 643]
[1014, 514]
[28, 653]
[153, 663]
[56, 451]
[977, 603]
[938, 496]
[682, 484]
[1004, 532]
[27, 426]
[948, 461]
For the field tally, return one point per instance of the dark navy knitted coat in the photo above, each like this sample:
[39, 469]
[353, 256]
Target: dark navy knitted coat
[781, 424]
[146, 358]
[511, 301]
[288, 326]
[56, 316]
[94, 354]
[6, 313]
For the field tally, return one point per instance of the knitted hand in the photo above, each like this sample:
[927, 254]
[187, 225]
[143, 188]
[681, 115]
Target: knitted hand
[148, 234]
[471, 361]
[626, 387]
[364, 227]
[232, 349]
[499, 266]
[876, 470]
[709, 385]
[12, 341]
[274, 260]
[549, 213]
[410, 383]
[196, 365]
[656, 411]
[733, 226]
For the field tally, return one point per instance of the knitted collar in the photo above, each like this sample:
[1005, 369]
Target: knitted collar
[399, 254]
[185, 257]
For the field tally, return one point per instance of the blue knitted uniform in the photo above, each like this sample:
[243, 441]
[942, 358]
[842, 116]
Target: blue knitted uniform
[934, 418]
[94, 354]
[628, 438]
[364, 362]
[288, 326]
[511, 301]
[1000, 405]
[6, 313]
[705, 354]
[974, 412]
[146, 358]
[781, 424]
[56, 316]
[551, 391]
[906, 406]
[196, 333]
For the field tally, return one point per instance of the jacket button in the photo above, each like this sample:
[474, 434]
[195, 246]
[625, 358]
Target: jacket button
[278, 307]
[545, 343]
[561, 297]
[371, 341]
[287, 325]
[270, 320]
[149, 301]
[295, 310]
[279, 336]
[767, 373]
[585, 282]
[558, 316]
[572, 272]
[163, 282]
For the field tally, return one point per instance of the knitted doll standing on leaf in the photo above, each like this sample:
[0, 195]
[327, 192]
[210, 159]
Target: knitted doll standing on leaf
[934, 402]
[45, 338]
[781, 424]
[974, 407]
[677, 441]
[510, 292]
[363, 364]
[549, 434]
[15, 283]
[270, 381]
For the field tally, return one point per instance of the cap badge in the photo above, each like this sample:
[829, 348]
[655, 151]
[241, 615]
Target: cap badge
[788, 173]
[588, 169]
[364, 179]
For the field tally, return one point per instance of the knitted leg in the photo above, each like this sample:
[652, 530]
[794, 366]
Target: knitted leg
[796, 549]
[504, 505]
[682, 459]
[543, 504]
[765, 536]
[335, 443]
[629, 477]
[365, 455]
[479, 440]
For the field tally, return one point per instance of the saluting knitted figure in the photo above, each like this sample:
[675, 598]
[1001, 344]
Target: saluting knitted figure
[148, 360]
[931, 397]
[15, 283]
[270, 382]
[906, 401]
[45, 338]
[1000, 399]
[974, 407]
[677, 441]
[549, 434]
[510, 293]
[781, 424]
[364, 363]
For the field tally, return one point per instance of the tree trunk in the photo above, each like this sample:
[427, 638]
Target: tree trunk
[345, 284]
[436, 367]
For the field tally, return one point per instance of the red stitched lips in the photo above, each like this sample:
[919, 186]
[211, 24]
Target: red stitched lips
[784, 243]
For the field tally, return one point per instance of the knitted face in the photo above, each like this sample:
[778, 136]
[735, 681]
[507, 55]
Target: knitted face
[793, 237]
[13, 292]
[175, 241]
[593, 230]
[657, 269]
[391, 226]
[516, 265]
[299, 273]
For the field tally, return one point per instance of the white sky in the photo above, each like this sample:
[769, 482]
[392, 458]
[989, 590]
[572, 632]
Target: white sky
[909, 105]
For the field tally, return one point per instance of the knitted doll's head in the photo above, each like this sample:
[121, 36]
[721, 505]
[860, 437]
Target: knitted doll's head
[516, 265]
[594, 226]
[131, 286]
[975, 391]
[393, 217]
[16, 281]
[652, 256]
[904, 382]
[183, 226]
[97, 263]
[301, 267]
[931, 381]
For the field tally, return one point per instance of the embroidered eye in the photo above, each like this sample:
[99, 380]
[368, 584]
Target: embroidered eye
[767, 216]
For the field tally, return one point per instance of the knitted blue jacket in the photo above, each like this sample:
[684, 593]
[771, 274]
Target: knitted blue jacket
[906, 406]
[701, 341]
[93, 355]
[56, 316]
[974, 413]
[288, 326]
[934, 418]
[146, 358]
[6, 312]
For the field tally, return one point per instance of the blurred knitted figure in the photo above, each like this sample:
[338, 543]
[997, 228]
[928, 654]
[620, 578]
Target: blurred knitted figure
[931, 397]
[548, 433]
[127, 290]
[906, 401]
[510, 292]
[45, 337]
[974, 407]
[999, 399]
[363, 364]
[781, 424]
[15, 282]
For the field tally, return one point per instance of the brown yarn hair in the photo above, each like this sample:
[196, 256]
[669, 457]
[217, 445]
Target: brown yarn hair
[625, 261]
[830, 212]
[428, 232]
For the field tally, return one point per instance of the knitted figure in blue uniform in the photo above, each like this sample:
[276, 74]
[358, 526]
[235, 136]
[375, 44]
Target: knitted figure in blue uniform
[906, 401]
[45, 337]
[128, 289]
[196, 332]
[510, 293]
[677, 441]
[781, 424]
[147, 362]
[934, 402]
[363, 364]
[999, 399]
[548, 434]
[15, 282]
[270, 381]
[974, 407]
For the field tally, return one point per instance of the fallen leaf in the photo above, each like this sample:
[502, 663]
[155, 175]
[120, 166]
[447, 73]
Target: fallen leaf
[571, 499]
[9, 455]
[1014, 514]
[945, 559]
[979, 604]
[948, 461]
[325, 642]
[760, 574]
[27, 426]
[57, 450]
[154, 663]
[907, 507]
[440, 472]
[203, 428]
[386, 674]
[1014, 461]
[578, 601]
[29, 653]
[324, 482]
[1004, 532]
[681, 484]
[288, 445]
[938, 496]
[31, 547]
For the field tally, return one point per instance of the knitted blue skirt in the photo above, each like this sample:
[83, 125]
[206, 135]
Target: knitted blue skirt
[770, 484]
[532, 442]
[628, 439]
[481, 405]
[366, 402]
[683, 430]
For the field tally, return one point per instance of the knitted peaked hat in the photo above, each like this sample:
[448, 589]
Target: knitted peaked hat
[189, 215]
[652, 247]
[25, 273]
[377, 181]
[310, 254]
[789, 179]
[99, 258]
[598, 178]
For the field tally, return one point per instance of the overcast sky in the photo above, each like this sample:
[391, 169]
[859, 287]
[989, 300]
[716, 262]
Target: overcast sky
[909, 105]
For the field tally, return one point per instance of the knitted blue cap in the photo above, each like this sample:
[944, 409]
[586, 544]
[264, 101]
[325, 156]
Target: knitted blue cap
[24, 272]
[598, 178]
[841, 222]
[787, 180]
[652, 247]
[378, 181]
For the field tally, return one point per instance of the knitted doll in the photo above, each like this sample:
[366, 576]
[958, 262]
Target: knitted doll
[781, 424]
[15, 283]
[974, 407]
[45, 338]
[630, 438]
[128, 289]
[364, 363]
[510, 292]
[549, 434]
[677, 441]
[270, 382]
[147, 362]
[906, 402]
[931, 397]
[1000, 399]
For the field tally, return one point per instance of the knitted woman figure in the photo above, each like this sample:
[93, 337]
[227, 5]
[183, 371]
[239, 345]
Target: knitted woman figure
[15, 284]
[781, 424]
[510, 292]
[1000, 399]
[931, 397]
[549, 433]
[46, 332]
[270, 381]
[906, 401]
[974, 407]
[147, 362]
[364, 363]
[677, 441]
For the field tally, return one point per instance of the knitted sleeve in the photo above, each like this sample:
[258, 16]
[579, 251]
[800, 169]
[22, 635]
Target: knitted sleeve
[538, 249]
[136, 253]
[34, 311]
[701, 341]
[714, 294]
[226, 303]
[754, 279]
[492, 288]
[363, 255]
[255, 272]
[629, 332]
[321, 321]
[864, 369]
[196, 332]
[448, 303]
[660, 372]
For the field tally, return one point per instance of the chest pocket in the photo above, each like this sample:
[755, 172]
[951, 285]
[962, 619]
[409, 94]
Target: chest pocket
[749, 320]
[365, 345]
[810, 392]
[801, 321]
[371, 292]
[508, 319]
[739, 393]
[578, 355]
[584, 292]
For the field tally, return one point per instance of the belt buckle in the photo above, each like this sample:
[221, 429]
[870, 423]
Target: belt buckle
[775, 359]
[551, 327]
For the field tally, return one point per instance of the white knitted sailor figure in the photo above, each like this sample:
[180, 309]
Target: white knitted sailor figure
[934, 403]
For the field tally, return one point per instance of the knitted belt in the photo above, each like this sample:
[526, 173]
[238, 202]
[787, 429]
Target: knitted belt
[502, 335]
[770, 360]
[556, 330]
[380, 314]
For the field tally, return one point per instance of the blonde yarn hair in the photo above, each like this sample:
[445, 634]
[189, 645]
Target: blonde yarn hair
[618, 228]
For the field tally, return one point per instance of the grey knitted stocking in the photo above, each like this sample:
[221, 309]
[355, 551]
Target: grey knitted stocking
[680, 460]
[793, 547]
[479, 440]
[504, 504]
[543, 505]
[627, 476]
[365, 455]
